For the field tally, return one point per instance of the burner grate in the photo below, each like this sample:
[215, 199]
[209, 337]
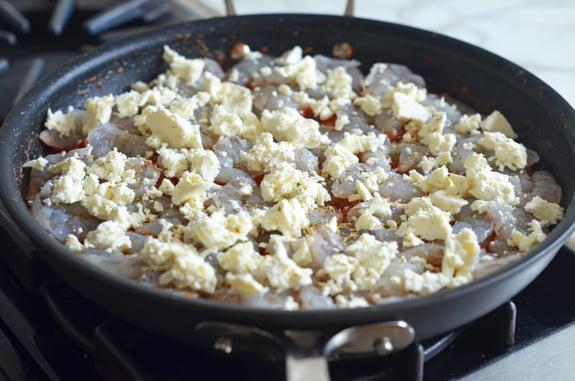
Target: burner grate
[38, 37]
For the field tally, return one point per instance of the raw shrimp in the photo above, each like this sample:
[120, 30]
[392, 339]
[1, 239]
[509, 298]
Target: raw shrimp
[107, 136]
[545, 186]
[382, 76]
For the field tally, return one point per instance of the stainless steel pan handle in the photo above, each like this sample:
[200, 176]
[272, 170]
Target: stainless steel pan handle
[307, 353]
[231, 10]
[308, 357]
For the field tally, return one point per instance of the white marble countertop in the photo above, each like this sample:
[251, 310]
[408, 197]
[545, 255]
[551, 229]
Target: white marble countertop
[538, 35]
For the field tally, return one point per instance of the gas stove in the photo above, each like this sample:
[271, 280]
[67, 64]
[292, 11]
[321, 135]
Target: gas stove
[50, 332]
[38, 36]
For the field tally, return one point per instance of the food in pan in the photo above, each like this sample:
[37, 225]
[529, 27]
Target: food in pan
[290, 182]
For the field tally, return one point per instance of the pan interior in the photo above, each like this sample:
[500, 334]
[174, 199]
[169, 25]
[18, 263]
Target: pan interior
[543, 120]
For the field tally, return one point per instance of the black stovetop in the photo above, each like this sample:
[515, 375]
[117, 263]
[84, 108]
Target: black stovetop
[38, 36]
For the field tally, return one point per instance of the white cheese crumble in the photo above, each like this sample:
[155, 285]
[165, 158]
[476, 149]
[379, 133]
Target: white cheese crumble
[171, 128]
[487, 184]
[508, 153]
[109, 236]
[98, 111]
[219, 231]
[267, 154]
[338, 159]
[289, 125]
[284, 182]
[62, 123]
[187, 70]
[548, 213]
[496, 122]
[288, 216]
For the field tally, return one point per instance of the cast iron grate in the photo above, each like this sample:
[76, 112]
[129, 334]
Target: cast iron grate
[36, 36]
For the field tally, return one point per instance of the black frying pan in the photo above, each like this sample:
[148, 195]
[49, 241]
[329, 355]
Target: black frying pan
[543, 120]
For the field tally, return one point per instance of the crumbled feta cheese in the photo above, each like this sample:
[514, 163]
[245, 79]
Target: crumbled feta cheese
[187, 107]
[423, 284]
[302, 252]
[73, 243]
[338, 159]
[67, 188]
[225, 123]
[289, 125]
[219, 231]
[284, 181]
[321, 108]
[548, 213]
[439, 179]
[373, 254]
[240, 258]
[290, 304]
[190, 271]
[508, 153]
[439, 143]
[187, 70]
[288, 216]
[379, 207]
[167, 187]
[101, 206]
[339, 268]
[129, 103]
[98, 111]
[341, 121]
[339, 83]
[37, 164]
[363, 192]
[62, 123]
[206, 235]
[425, 220]
[496, 122]
[488, 185]
[235, 98]
[369, 104]
[281, 272]
[432, 128]
[159, 96]
[290, 57]
[205, 163]
[108, 236]
[266, 154]
[112, 167]
[405, 107]
[171, 128]
[354, 302]
[459, 185]
[468, 124]
[447, 202]
[367, 221]
[527, 242]
[302, 73]
[174, 160]
[461, 252]
[190, 185]
[245, 285]
[369, 142]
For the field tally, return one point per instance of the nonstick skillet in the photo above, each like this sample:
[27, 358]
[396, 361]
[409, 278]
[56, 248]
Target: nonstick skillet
[544, 121]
